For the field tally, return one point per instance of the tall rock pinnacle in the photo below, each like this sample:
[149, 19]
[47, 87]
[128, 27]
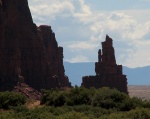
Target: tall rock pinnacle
[108, 73]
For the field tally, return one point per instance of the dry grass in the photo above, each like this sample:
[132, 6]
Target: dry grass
[142, 91]
[33, 103]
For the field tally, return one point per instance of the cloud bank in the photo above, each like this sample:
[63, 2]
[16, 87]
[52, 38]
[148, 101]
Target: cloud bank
[80, 29]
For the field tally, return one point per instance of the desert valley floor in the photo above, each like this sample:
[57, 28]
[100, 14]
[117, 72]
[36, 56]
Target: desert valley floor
[142, 91]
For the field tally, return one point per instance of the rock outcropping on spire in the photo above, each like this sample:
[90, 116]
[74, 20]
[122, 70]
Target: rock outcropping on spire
[108, 73]
[28, 53]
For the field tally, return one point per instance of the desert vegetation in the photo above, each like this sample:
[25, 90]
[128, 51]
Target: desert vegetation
[75, 103]
[8, 99]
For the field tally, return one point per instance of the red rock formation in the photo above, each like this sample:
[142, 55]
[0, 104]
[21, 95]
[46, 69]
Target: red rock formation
[28, 53]
[108, 73]
[28, 91]
[54, 55]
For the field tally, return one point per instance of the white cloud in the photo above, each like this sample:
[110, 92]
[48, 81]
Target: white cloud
[138, 58]
[78, 59]
[83, 46]
[74, 19]
[51, 9]
[84, 13]
[118, 20]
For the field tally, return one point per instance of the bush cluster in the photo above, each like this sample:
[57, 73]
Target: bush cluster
[77, 103]
[8, 99]
[74, 96]
[105, 98]
[73, 112]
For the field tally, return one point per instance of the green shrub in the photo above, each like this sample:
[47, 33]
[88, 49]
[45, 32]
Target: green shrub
[146, 104]
[46, 115]
[73, 115]
[73, 112]
[139, 113]
[78, 96]
[53, 98]
[8, 99]
[108, 98]
[104, 98]
[131, 103]
[75, 96]
[36, 113]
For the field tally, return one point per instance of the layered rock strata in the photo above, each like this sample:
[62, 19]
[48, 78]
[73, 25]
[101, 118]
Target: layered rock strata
[28, 53]
[108, 73]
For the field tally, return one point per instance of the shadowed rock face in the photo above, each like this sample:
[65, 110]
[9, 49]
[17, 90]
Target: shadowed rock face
[28, 53]
[108, 73]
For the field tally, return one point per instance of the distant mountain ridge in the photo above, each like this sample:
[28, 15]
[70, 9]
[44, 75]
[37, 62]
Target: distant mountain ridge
[135, 76]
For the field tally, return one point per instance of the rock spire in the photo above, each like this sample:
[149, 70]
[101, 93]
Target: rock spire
[108, 73]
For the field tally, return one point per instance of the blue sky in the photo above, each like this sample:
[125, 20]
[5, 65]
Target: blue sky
[81, 25]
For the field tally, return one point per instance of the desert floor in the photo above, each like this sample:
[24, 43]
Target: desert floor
[142, 91]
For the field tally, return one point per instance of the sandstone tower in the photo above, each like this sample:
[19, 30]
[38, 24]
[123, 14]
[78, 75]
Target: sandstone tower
[28, 53]
[108, 73]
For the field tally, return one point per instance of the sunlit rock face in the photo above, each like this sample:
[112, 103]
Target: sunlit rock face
[108, 73]
[28, 53]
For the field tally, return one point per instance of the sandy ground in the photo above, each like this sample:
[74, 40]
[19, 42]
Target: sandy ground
[142, 91]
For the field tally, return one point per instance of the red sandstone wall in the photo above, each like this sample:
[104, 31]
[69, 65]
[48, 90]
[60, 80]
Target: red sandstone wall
[26, 52]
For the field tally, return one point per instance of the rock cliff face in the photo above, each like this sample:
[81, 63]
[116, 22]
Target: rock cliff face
[28, 53]
[108, 73]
